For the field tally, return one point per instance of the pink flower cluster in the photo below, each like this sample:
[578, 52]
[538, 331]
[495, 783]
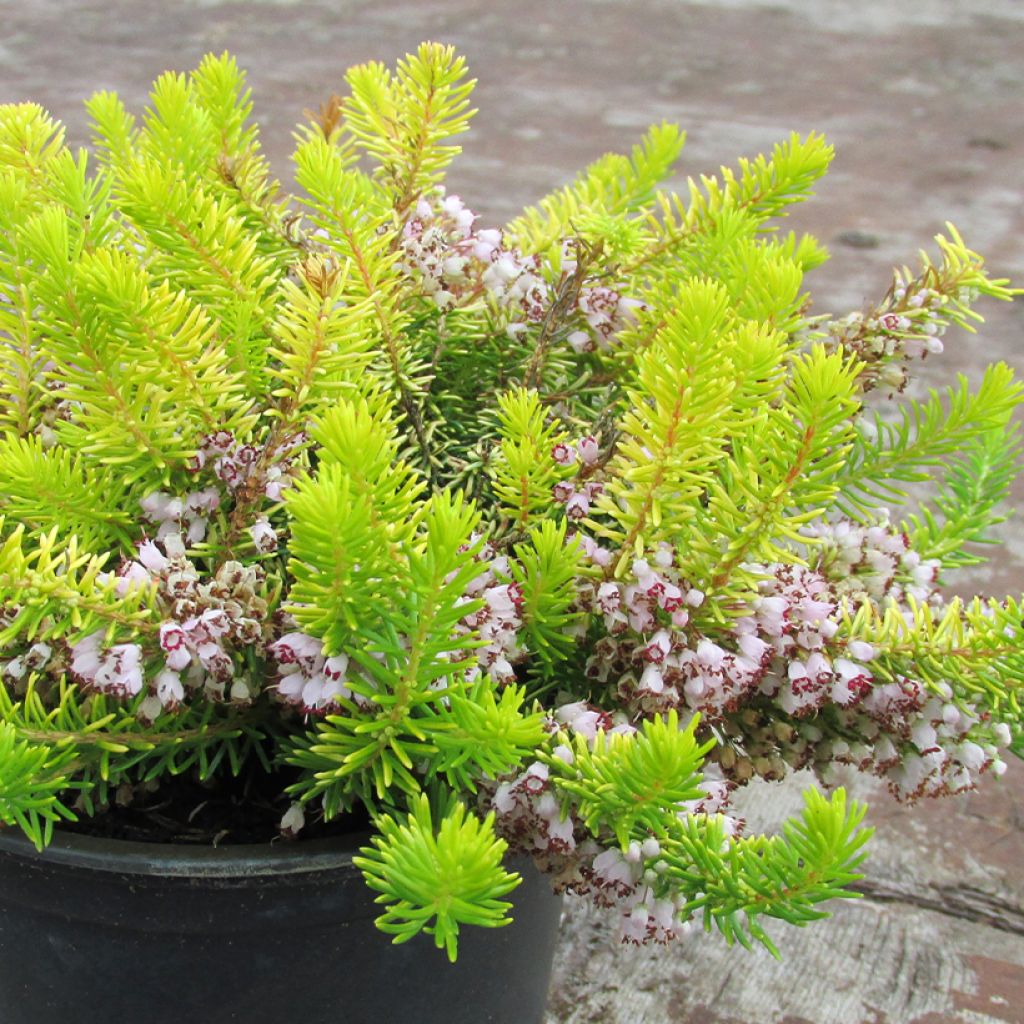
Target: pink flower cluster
[796, 615]
[116, 670]
[239, 465]
[455, 261]
[908, 325]
[36, 659]
[926, 744]
[626, 881]
[531, 813]
[656, 660]
[240, 468]
[784, 687]
[531, 817]
[873, 562]
[209, 622]
[308, 678]
[174, 514]
[497, 622]
[604, 312]
[577, 495]
[203, 624]
[920, 743]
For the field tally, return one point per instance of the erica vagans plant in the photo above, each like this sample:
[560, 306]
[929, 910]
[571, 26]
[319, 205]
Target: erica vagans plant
[541, 539]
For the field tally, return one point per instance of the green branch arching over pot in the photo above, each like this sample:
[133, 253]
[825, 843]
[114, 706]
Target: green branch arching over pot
[438, 876]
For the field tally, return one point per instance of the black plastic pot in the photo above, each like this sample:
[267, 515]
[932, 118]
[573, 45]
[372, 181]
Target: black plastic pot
[98, 931]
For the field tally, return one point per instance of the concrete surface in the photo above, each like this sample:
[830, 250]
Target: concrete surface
[924, 103]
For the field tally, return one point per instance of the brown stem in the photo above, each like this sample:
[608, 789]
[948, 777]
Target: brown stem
[566, 298]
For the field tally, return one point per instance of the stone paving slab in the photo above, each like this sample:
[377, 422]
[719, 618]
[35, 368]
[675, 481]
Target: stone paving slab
[924, 103]
[938, 939]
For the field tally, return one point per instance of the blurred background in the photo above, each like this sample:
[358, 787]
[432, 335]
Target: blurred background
[924, 102]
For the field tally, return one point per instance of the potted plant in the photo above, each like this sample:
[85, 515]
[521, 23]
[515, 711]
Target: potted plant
[344, 519]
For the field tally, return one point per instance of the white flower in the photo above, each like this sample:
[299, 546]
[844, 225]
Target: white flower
[589, 450]
[240, 693]
[85, 655]
[264, 536]
[169, 690]
[149, 709]
[293, 821]
[580, 341]
[120, 672]
[151, 557]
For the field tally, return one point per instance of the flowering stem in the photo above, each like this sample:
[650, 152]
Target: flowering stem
[565, 300]
[286, 423]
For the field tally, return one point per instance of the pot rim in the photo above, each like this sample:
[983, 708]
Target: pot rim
[124, 857]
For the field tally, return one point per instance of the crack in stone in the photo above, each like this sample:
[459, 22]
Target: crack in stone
[960, 901]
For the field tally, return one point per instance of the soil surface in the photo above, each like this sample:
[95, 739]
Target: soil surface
[225, 811]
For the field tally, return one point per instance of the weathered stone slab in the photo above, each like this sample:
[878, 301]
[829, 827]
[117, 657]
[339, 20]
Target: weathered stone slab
[937, 939]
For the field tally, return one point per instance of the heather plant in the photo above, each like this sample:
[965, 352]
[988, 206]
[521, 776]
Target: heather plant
[540, 539]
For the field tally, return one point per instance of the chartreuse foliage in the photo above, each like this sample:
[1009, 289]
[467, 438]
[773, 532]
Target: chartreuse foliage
[974, 483]
[54, 590]
[546, 567]
[678, 416]
[635, 789]
[602, 779]
[359, 228]
[435, 877]
[35, 775]
[522, 471]
[87, 749]
[411, 653]
[35, 481]
[975, 645]
[404, 121]
[889, 453]
[781, 473]
[719, 212]
[283, 481]
[784, 877]
[321, 346]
